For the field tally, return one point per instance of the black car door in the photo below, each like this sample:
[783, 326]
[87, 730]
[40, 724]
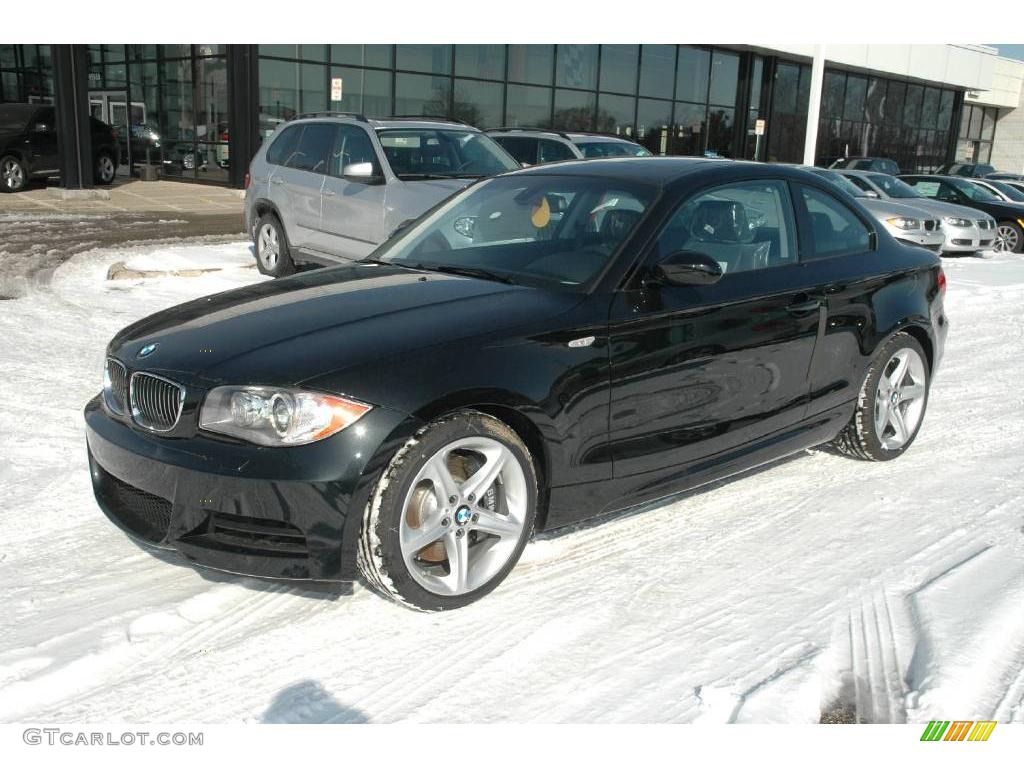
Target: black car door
[42, 136]
[697, 370]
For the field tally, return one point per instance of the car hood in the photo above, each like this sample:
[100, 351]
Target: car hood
[882, 209]
[283, 332]
[941, 208]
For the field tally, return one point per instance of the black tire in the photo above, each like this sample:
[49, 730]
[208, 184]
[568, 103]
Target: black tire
[283, 265]
[1014, 234]
[859, 437]
[13, 174]
[380, 558]
[104, 169]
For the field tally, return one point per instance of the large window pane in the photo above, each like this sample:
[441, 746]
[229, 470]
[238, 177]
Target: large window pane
[314, 88]
[930, 108]
[618, 68]
[615, 114]
[279, 92]
[690, 127]
[988, 126]
[657, 70]
[528, 106]
[912, 105]
[574, 111]
[692, 74]
[362, 55]
[212, 96]
[720, 124]
[425, 58]
[654, 125]
[787, 78]
[367, 91]
[577, 66]
[531, 64]
[874, 101]
[178, 119]
[485, 61]
[725, 73]
[832, 91]
[856, 88]
[479, 103]
[945, 116]
[281, 51]
[422, 95]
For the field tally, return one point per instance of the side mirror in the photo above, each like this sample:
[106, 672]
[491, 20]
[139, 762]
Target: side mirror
[871, 193]
[688, 268]
[361, 172]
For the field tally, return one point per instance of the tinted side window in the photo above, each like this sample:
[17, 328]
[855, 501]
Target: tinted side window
[835, 229]
[522, 148]
[743, 226]
[552, 151]
[314, 150]
[860, 183]
[284, 145]
[352, 146]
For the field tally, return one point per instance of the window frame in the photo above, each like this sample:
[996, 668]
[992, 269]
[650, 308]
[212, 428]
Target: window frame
[340, 138]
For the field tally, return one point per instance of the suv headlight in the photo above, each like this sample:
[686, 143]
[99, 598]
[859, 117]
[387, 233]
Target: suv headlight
[277, 416]
[901, 223]
[953, 221]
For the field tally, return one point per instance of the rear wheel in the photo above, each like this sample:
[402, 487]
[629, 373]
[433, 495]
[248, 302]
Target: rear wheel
[272, 254]
[451, 514]
[105, 169]
[1009, 237]
[891, 404]
[13, 176]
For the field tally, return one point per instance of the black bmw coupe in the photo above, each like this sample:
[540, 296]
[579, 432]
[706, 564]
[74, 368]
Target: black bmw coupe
[545, 346]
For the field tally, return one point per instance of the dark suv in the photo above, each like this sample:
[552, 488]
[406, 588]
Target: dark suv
[29, 147]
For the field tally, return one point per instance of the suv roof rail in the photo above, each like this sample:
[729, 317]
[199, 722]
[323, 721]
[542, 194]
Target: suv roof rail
[510, 128]
[356, 115]
[430, 119]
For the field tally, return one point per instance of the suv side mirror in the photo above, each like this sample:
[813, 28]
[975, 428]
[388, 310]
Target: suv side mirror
[361, 172]
[688, 268]
[871, 193]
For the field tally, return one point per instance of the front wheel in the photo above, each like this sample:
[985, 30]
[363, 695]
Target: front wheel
[451, 514]
[1009, 237]
[891, 404]
[105, 169]
[13, 177]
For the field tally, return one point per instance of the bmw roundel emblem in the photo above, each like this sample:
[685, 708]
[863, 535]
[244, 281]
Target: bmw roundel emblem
[147, 350]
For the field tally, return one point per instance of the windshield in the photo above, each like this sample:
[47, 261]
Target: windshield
[1011, 192]
[837, 179]
[439, 153]
[892, 186]
[550, 231]
[974, 192]
[611, 149]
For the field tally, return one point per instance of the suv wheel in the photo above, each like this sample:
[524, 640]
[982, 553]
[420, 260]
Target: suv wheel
[272, 254]
[450, 515]
[105, 169]
[13, 177]
[891, 405]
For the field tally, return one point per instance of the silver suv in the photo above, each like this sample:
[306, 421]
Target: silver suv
[330, 187]
[536, 146]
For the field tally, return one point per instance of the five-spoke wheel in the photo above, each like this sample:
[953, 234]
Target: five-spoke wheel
[272, 255]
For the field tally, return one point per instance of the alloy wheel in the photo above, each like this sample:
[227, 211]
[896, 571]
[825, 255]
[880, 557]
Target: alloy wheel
[900, 398]
[268, 247]
[13, 175]
[1006, 238]
[106, 169]
[463, 516]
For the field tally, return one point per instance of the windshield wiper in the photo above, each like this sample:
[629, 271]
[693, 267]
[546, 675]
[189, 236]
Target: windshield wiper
[480, 272]
[422, 176]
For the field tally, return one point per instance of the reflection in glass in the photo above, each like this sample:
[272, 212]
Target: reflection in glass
[422, 95]
[528, 106]
[618, 68]
[577, 66]
[657, 70]
[574, 110]
[531, 64]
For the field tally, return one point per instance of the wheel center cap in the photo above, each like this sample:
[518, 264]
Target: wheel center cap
[462, 515]
[895, 398]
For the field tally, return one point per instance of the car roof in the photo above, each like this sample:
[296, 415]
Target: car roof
[412, 122]
[572, 136]
[666, 171]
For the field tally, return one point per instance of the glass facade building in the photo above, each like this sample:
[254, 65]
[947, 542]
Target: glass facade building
[192, 109]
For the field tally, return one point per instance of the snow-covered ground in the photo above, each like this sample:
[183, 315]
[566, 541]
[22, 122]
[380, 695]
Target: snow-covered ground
[816, 584]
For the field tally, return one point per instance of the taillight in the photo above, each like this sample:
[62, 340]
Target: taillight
[248, 181]
[942, 282]
[224, 136]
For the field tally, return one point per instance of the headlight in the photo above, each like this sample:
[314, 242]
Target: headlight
[901, 223]
[276, 416]
[953, 221]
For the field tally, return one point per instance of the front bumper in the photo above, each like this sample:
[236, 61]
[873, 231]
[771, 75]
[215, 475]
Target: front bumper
[933, 241]
[271, 512]
[967, 239]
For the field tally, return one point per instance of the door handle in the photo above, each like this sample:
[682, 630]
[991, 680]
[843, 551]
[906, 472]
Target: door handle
[329, 193]
[276, 180]
[804, 307]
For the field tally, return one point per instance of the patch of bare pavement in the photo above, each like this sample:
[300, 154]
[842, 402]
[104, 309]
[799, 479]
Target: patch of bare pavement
[33, 244]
